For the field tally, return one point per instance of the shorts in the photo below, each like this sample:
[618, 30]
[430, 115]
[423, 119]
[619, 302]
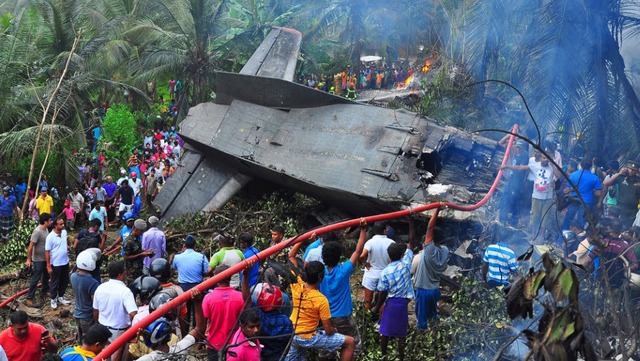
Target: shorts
[115, 334]
[348, 327]
[124, 208]
[320, 341]
[370, 283]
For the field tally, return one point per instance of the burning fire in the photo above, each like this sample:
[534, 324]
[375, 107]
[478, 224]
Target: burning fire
[427, 66]
[406, 82]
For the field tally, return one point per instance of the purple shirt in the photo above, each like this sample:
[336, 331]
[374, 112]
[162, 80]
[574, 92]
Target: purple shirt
[110, 188]
[156, 240]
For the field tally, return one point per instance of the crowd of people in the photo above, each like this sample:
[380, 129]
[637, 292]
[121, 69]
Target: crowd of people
[349, 81]
[592, 213]
[273, 310]
[265, 312]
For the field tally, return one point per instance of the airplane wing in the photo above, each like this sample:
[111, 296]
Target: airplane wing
[205, 183]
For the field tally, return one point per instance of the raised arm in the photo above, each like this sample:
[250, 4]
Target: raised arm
[432, 224]
[360, 245]
[294, 250]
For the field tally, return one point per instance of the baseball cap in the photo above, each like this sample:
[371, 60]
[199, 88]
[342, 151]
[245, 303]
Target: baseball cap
[140, 225]
[43, 189]
[154, 221]
[133, 174]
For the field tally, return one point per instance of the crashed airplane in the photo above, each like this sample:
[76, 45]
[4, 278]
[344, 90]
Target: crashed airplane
[361, 158]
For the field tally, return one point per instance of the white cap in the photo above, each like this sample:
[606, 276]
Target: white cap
[87, 259]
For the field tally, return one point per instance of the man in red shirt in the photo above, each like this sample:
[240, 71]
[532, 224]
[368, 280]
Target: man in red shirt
[25, 341]
[222, 307]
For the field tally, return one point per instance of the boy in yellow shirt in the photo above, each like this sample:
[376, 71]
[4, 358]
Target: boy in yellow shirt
[310, 307]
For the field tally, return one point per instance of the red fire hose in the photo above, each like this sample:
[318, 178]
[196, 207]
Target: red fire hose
[202, 287]
[10, 299]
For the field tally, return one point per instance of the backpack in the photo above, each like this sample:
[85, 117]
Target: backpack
[88, 240]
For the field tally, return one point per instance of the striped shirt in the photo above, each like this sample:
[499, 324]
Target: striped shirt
[502, 262]
[396, 278]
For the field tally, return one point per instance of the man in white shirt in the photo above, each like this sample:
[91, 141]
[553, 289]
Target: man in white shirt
[114, 305]
[542, 202]
[376, 257]
[135, 183]
[57, 259]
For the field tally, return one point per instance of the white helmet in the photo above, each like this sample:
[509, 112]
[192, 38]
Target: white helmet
[87, 259]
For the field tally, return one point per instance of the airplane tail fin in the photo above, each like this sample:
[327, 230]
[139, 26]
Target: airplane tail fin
[277, 55]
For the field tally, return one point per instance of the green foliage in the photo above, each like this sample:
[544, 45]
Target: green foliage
[14, 252]
[248, 213]
[54, 170]
[474, 328]
[120, 136]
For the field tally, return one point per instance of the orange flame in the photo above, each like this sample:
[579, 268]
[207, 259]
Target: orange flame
[406, 82]
[427, 66]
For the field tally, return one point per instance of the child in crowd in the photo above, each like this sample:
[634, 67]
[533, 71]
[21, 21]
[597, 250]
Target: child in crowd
[311, 307]
[70, 215]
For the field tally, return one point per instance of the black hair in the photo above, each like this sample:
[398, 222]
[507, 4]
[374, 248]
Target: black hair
[51, 357]
[278, 229]
[95, 222]
[585, 164]
[44, 218]
[331, 253]
[313, 272]
[219, 269]
[438, 235]
[115, 268]
[96, 334]
[249, 316]
[396, 250]
[246, 238]
[378, 228]
[123, 182]
[59, 218]
[226, 239]
[19, 318]
[329, 237]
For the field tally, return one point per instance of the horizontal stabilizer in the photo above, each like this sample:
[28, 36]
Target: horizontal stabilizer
[199, 184]
[271, 92]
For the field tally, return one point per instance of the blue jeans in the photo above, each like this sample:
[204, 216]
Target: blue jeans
[509, 203]
[426, 305]
[573, 211]
[39, 274]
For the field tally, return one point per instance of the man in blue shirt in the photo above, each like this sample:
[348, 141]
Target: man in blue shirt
[588, 186]
[191, 266]
[336, 287]
[8, 206]
[20, 189]
[246, 244]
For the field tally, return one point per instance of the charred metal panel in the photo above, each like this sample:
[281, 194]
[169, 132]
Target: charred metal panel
[271, 92]
[336, 147]
[202, 122]
[277, 55]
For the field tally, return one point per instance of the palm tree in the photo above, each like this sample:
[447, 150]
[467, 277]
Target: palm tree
[563, 55]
